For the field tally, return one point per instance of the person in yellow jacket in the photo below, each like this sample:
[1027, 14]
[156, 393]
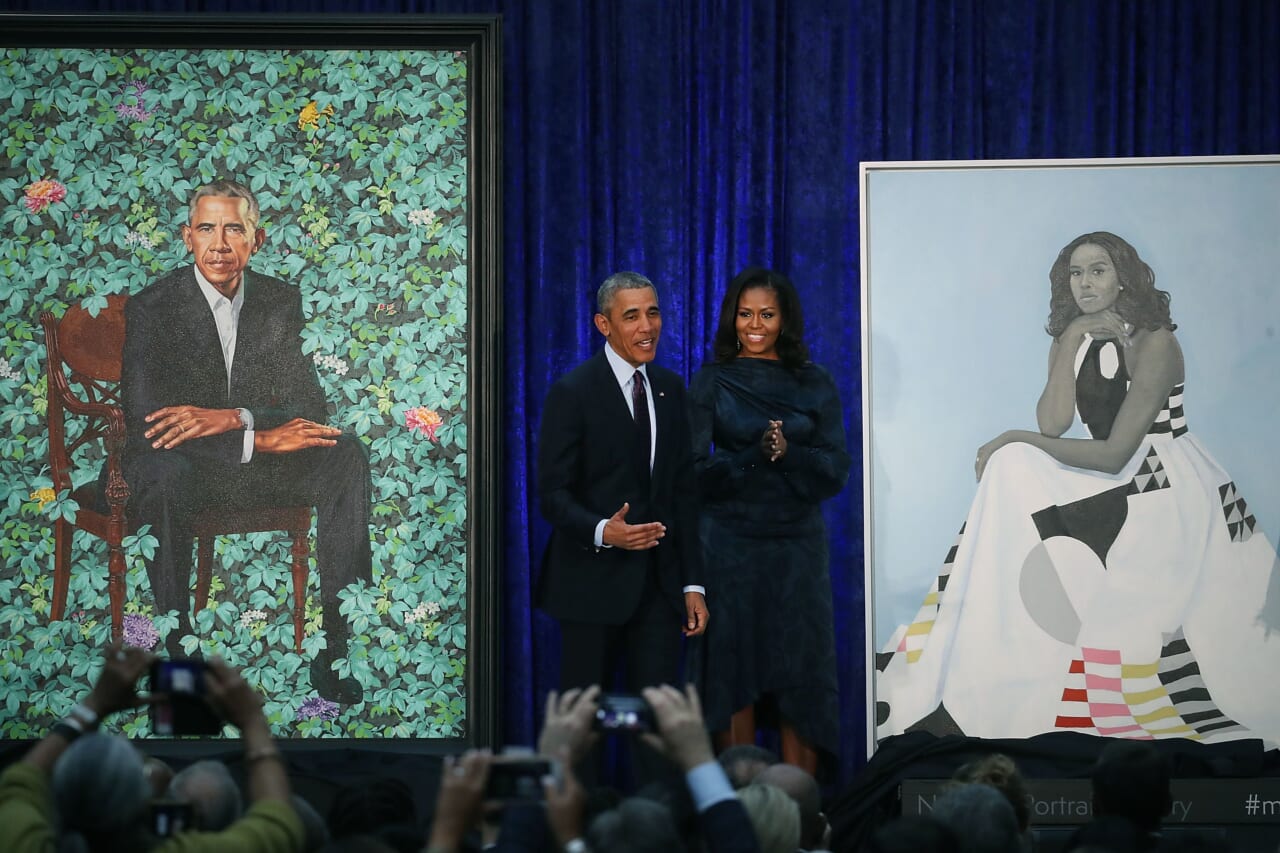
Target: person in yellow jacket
[79, 789]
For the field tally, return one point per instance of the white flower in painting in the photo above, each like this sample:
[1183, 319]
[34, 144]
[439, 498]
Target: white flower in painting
[425, 216]
[249, 617]
[416, 615]
[134, 238]
[331, 362]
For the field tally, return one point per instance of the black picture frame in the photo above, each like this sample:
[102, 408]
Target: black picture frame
[479, 37]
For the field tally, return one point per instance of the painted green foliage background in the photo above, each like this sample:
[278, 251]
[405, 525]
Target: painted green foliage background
[358, 160]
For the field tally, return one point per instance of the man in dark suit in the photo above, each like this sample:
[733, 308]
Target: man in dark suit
[223, 409]
[615, 479]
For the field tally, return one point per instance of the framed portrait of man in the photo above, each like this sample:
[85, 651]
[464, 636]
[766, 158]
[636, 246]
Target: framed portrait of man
[331, 183]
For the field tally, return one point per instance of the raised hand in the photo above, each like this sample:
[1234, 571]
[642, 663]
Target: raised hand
[682, 734]
[633, 537]
[568, 725]
[116, 687]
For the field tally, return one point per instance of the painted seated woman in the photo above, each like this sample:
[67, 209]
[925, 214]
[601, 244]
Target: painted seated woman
[1114, 584]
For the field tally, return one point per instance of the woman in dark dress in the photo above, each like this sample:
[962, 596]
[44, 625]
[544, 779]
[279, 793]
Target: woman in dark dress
[769, 447]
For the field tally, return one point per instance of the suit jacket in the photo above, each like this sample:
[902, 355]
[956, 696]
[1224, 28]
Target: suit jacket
[586, 442]
[172, 356]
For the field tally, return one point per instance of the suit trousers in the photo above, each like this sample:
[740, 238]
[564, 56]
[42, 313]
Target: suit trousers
[646, 648]
[167, 489]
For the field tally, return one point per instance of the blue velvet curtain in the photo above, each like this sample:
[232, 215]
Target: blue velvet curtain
[688, 138]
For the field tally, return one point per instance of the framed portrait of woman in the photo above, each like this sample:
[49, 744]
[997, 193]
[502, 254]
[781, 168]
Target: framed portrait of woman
[1072, 499]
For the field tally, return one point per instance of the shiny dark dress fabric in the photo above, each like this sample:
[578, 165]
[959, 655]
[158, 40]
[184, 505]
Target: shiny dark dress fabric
[764, 541]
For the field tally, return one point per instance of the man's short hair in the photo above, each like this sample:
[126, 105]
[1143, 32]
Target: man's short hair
[99, 788]
[803, 788]
[981, 818]
[212, 793]
[1131, 780]
[620, 281]
[742, 762]
[224, 188]
[635, 826]
[774, 816]
[912, 834]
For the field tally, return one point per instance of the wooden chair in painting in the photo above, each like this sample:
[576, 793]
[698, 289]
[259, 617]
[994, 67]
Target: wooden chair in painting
[83, 366]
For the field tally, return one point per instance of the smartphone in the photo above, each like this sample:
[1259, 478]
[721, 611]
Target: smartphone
[185, 711]
[519, 778]
[622, 712]
[170, 817]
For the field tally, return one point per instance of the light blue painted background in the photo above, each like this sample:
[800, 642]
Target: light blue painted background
[957, 299]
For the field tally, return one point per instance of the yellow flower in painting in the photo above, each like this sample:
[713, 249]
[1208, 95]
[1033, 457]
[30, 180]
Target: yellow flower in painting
[44, 497]
[311, 115]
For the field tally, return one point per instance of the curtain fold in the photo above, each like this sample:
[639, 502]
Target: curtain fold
[687, 139]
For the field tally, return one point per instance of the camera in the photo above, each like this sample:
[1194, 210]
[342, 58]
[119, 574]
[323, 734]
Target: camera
[620, 712]
[185, 710]
[519, 777]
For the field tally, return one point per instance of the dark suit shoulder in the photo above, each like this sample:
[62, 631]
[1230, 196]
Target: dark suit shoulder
[586, 374]
[164, 289]
[256, 281]
[666, 381]
[661, 375]
[176, 287]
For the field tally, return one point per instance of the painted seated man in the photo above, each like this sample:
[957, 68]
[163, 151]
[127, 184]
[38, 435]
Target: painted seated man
[222, 409]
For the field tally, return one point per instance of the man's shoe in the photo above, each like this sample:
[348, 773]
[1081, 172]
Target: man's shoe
[326, 682]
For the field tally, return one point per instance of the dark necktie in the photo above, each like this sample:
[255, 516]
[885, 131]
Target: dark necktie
[644, 433]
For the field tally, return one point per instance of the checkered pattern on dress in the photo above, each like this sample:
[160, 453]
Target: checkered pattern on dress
[1165, 698]
[911, 639]
[1172, 419]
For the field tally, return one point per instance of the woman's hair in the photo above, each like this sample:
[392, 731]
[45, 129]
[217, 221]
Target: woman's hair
[100, 792]
[999, 771]
[791, 347]
[1138, 302]
[774, 816]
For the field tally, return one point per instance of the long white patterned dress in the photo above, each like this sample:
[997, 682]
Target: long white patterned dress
[1143, 604]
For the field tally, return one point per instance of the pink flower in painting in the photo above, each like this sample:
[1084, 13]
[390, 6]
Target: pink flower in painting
[41, 194]
[423, 420]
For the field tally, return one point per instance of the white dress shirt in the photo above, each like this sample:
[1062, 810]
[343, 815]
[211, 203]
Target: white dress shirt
[226, 316]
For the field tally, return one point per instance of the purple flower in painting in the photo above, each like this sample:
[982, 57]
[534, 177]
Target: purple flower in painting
[317, 709]
[134, 111]
[139, 632]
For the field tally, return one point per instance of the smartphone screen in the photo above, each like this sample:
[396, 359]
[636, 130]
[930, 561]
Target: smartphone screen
[623, 713]
[185, 712]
